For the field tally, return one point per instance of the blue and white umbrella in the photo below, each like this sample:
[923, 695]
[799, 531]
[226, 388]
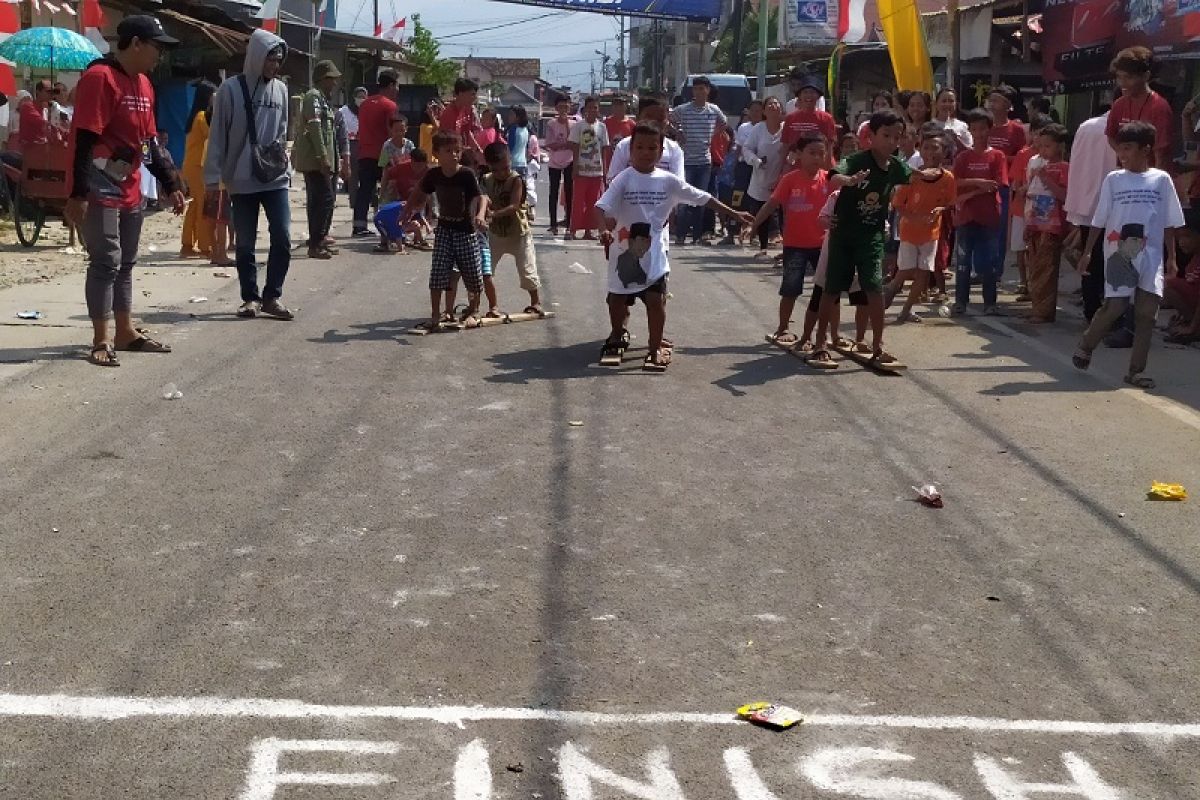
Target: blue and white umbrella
[49, 49]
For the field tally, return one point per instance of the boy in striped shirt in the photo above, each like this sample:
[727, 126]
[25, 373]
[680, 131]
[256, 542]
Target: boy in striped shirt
[697, 122]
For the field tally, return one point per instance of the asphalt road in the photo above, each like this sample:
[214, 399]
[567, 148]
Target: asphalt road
[389, 529]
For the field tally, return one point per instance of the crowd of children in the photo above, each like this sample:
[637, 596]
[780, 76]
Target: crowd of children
[914, 192]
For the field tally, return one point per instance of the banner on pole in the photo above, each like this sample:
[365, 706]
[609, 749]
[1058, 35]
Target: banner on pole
[823, 21]
[688, 10]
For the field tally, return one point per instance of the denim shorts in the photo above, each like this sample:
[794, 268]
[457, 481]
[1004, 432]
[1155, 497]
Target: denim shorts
[796, 263]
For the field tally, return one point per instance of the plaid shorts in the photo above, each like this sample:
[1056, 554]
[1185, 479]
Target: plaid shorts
[455, 250]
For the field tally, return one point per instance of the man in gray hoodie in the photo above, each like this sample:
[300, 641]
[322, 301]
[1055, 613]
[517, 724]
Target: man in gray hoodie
[229, 162]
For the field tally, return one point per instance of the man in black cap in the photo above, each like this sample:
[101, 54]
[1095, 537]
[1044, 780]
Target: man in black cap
[115, 138]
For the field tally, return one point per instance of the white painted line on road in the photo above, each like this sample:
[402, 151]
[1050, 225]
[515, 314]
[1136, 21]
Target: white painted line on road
[60, 706]
[1177, 411]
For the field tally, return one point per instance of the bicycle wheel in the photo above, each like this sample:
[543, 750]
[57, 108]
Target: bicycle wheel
[28, 216]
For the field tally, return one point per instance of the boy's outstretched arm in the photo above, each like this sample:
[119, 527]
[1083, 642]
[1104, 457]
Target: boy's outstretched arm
[1086, 257]
[742, 216]
[764, 214]
[840, 180]
[416, 202]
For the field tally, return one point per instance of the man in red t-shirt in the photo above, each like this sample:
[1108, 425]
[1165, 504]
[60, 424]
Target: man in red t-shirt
[34, 128]
[461, 117]
[806, 122]
[1007, 135]
[1139, 103]
[981, 173]
[374, 123]
[114, 123]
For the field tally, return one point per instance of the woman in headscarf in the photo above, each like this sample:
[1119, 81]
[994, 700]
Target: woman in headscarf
[197, 231]
[348, 114]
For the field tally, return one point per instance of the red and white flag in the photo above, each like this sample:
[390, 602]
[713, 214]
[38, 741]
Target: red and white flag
[269, 14]
[852, 20]
[396, 32]
[93, 24]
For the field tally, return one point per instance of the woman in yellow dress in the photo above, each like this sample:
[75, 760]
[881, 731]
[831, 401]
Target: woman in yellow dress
[197, 231]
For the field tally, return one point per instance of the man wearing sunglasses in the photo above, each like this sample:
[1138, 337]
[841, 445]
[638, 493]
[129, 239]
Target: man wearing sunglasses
[115, 138]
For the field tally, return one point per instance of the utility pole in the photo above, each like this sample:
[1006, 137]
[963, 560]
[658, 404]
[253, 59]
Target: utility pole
[952, 67]
[736, 55]
[375, 19]
[764, 12]
[592, 72]
[621, 55]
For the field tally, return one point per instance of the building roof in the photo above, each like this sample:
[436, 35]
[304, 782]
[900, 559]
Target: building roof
[508, 67]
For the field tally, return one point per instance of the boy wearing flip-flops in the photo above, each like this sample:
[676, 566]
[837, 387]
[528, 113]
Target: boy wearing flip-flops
[640, 201]
[1138, 212]
[508, 224]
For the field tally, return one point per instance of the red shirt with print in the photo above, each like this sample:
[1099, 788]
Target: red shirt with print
[619, 128]
[119, 108]
[461, 120]
[374, 125]
[801, 197]
[34, 128]
[1154, 109]
[982, 208]
[1008, 138]
[808, 124]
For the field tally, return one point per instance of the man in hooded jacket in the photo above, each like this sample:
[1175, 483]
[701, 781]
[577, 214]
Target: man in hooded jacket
[229, 162]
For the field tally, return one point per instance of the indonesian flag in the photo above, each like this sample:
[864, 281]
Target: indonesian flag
[269, 14]
[93, 24]
[321, 9]
[396, 32]
[10, 23]
[852, 20]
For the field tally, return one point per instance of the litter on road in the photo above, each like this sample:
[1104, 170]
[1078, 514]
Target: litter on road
[770, 715]
[30, 315]
[1166, 491]
[171, 392]
[929, 495]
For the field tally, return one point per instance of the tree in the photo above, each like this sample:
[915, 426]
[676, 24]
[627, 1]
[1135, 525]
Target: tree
[723, 55]
[424, 51]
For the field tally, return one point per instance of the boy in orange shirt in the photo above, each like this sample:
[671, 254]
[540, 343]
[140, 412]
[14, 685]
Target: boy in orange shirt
[920, 205]
[801, 194]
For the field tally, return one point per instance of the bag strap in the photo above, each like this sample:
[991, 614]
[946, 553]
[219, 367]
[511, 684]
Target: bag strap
[249, 110]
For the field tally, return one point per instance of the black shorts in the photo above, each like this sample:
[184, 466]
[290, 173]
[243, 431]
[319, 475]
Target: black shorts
[796, 263]
[658, 288]
[857, 298]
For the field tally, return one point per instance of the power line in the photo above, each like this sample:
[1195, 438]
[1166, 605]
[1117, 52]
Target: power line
[505, 25]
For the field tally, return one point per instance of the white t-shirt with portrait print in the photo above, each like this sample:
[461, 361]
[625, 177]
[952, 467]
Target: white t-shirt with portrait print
[592, 138]
[1149, 201]
[649, 198]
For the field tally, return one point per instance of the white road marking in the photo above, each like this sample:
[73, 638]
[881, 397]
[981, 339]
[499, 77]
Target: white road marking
[473, 773]
[1175, 410]
[264, 776]
[577, 773]
[840, 770]
[744, 778]
[1085, 781]
[77, 707]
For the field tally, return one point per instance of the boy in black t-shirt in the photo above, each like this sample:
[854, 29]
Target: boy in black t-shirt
[462, 210]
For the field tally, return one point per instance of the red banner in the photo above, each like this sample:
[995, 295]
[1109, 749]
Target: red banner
[1079, 39]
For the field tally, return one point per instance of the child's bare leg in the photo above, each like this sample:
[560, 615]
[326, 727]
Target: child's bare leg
[656, 321]
[862, 315]
[618, 315]
[919, 285]
[535, 298]
[435, 302]
[894, 287]
[1022, 269]
[810, 322]
[828, 318]
[874, 310]
[786, 306]
[451, 293]
[489, 289]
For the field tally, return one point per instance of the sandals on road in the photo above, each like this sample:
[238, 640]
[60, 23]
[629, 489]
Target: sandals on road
[110, 356]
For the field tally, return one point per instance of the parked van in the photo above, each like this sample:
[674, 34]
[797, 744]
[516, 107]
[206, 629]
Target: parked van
[733, 93]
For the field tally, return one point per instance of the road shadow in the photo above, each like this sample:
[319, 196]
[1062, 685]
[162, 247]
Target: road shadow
[395, 330]
[578, 360]
[28, 355]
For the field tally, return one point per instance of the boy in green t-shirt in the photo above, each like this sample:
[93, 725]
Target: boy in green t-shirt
[857, 237]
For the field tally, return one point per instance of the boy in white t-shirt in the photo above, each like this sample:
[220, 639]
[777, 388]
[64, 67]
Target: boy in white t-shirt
[1138, 212]
[638, 206]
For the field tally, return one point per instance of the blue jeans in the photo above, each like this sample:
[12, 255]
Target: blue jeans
[1002, 234]
[977, 252]
[691, 218]
[245, 226]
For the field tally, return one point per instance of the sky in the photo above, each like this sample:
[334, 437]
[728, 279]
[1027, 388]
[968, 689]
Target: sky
[565, 41]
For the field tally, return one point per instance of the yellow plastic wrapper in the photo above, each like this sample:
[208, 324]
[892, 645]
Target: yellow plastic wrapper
[1166, 491]
[770, 715]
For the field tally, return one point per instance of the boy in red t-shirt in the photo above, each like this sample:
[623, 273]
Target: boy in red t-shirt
[806, 122]
[1139, 103]
[981, 172]
[1045, 221]
[400, 179]
[800, 193]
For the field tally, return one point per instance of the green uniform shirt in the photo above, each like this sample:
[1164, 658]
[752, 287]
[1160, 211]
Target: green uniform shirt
[862, 210]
